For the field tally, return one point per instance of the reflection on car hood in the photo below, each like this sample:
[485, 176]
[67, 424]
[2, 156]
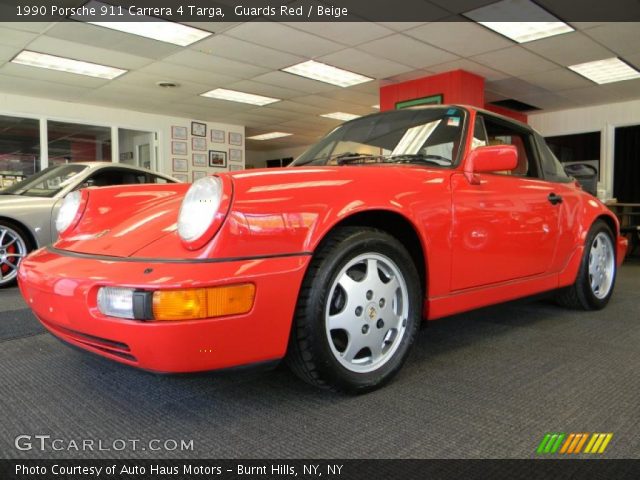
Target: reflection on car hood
[20, 201]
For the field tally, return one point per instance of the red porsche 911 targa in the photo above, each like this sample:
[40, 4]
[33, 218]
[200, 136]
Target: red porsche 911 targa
[331, 263]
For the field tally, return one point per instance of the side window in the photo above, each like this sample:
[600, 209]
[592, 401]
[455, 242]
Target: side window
[157, 179]
[501, 132]
[479, 133]
[551, 167]
[115, 176]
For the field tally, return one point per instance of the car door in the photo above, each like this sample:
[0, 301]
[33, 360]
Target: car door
[507, 226]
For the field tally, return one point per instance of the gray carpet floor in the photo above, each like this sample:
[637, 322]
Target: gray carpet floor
[485, 384]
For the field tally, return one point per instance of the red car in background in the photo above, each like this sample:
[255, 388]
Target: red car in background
[331, 263]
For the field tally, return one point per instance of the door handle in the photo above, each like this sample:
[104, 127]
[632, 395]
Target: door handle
[554, 199]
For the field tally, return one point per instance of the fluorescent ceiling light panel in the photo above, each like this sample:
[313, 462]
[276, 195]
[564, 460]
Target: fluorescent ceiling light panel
[340, 116]
[501, 17]
[242, 97]
[327, 74]
[606, 71]
[269, 136]
[62, 64]
[150, 27]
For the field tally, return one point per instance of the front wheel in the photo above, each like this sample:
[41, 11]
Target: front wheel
[358, 311]
[597, 274]
[14, 246]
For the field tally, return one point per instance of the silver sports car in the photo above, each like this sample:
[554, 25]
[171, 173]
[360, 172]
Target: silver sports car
[28, 209]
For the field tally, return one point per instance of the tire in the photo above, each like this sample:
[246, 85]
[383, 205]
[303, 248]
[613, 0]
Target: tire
[352, 331]
[597, 273]
[14, 245]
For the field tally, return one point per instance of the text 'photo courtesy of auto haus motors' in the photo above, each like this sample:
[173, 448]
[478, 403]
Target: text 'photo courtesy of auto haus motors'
[330, 264]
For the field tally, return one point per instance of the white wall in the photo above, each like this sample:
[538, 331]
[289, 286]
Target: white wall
[44, 109]
[603, 118]
[257, 158]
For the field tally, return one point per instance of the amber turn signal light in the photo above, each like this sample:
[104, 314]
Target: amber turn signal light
[195, 303]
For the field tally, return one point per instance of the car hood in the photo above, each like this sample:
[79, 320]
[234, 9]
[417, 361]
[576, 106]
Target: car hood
[118, 221]
[8, 201]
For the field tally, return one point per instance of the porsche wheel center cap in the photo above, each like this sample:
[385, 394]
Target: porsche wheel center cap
[371, 311]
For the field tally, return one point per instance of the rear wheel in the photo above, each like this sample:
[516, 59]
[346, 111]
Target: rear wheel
[597, 274]
[358, 311]
[14, 246]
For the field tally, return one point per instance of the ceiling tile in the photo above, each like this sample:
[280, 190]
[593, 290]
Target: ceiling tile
[169, 71]
[405, 77]
[15, 38]
[24, 71]
[462, 38]
[515, 61]
[65, 48]
[86, 34]
[594, 95]
[407, 51]
[40, 88]
[7, 53]
[34, 27]
[461, 6]
[621, 37]
[555, 80]
[470, 66]
[402, 26]
[364, 63]
[348, 33]
[264, 89]
[284, 38]
[235, 49]
[569, 49]
[215, 64]
[295, 82]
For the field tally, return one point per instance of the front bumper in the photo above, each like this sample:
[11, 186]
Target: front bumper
[62, 292]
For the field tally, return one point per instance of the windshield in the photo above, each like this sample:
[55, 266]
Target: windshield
[46, 183]
[426, 136]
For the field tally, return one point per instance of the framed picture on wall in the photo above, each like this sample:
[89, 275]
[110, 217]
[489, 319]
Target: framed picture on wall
[235, 138]
[180, 165]
[199, 160]
[179, 148]
[198, 174]
[217, 158]
[179, 133]
[234, 168]
[199, 144]
[198, 129]
[181, 177]
[235, 155]
[218, 136]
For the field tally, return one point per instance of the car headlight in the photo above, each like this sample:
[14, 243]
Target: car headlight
[70, 211]
[202, 211]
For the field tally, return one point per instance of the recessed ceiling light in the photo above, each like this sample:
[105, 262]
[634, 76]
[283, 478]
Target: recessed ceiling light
[541, 25]
[150, 27]
[269, 136]
[62, 64]
[327, 74]
[606, 71]
[242, 97]
[340, 116]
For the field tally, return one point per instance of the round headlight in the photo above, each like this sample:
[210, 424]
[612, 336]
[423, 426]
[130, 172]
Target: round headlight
[199, 208]
[68, 211]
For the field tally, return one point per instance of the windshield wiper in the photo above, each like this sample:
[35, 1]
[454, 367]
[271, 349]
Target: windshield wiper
[420, 158]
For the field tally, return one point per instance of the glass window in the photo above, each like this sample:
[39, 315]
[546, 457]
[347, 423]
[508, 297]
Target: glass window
[73, 142]
[577, 151]
[551, 167]
[429, 136]
[500, 132]
[46, 183]
[19, 149]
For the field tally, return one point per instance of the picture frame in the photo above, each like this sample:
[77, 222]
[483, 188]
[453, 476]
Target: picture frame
[179, 133]
[180, 165]
[235, 155]
[179, 148]
[217, 159]
[199, 144]
[198, 129]
[234, 168]
[181, 177]
[197, 174]
[218, 136]
[199, 160]
[235, 138]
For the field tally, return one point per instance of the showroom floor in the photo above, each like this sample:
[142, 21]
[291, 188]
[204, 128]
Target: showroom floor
[485, 384]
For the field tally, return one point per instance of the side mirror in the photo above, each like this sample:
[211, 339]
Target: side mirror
[492, 158]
